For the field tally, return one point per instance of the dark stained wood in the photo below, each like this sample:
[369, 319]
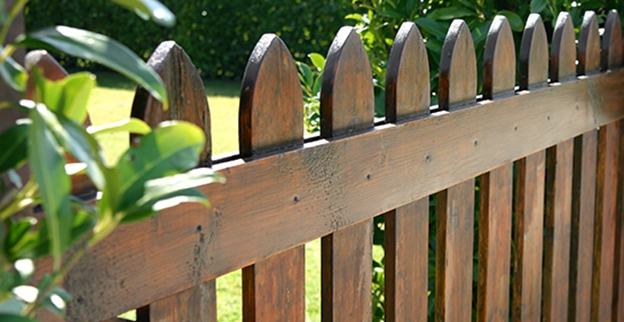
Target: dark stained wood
[346, 107]
[557, 229]
[611, 55]
[407, 78]
[455, 207]
[347, 84]
[185, 89]
[563, 51]
[499, 60]
[533, 54]
[458, 68]
[606, 222]
[406, 262]
[496, 186]
[407, 227]
[582, 234]
[589, 45]
[270, 118]
[529, 207]
[333, 191]
[584, 187]
[455, 231]
[195, 304]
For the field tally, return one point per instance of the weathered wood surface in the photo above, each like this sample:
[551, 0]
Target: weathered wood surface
[499, 76]
[455, 207]
[390, 154]
[533, 54]
[584, 187]
[407, 227]
[346, 108]
[271, 118]
[618, 279]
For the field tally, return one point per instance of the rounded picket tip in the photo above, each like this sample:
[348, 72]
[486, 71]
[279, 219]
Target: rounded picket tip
[563, 53]
[458, 68]
[533, 54]
[499, 60]
[589, 45]
[611, 57]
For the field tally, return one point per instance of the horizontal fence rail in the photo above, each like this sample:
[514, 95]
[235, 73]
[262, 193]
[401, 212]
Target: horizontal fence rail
[545, 155]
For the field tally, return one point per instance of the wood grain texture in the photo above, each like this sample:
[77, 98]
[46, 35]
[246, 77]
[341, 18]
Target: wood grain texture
[407, 227]
[618, 279]
[347, 107]
[533, 54]
[334, 191]
[606, 222]
[499, 60]
[557, 229]
[406, 260]
[185, 89]
[529, 228]
[195, 304]
[611, 54]
[271, 119]
[454, 242]
[347, 86]
[458, 68]
[563, 50]
[407, 78]
[582, 234]
[589, 45]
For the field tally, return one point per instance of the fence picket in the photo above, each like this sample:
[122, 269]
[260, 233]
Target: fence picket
[529, 198]
[499, 76]
[271, 118]
[618, 283]
[455, 207]
[347, 105]
[407, 227]
[187, 101]
[584, 187]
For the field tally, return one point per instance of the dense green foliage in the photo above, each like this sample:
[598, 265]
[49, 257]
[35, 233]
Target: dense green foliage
[218, 35]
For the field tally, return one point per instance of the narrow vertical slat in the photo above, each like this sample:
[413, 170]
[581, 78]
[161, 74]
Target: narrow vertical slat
[187, 101]
[605, 273]
[271, 119]
[559, 166]
[584, 187]
[499, 75]
[407, 227]
[619, 251]
[347, 107]
[529, 195]
[455, 208]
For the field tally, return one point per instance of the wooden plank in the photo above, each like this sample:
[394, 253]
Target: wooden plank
[611, 54]
[261, 192]
[584, 187]
[407, 227]
[347, 107]
[187, 101]
[270, 118]
[499, 76]
[455, 207]
[533, 54]
[618, 302]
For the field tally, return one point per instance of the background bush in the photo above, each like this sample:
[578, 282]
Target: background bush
[218, 35]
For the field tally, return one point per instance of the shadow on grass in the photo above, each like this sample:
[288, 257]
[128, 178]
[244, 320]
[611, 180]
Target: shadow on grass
[225, 88]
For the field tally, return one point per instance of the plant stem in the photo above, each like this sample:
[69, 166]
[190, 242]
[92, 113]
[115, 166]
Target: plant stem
[15, 10]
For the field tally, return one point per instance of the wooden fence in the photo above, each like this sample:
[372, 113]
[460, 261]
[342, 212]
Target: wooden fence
[548, 153]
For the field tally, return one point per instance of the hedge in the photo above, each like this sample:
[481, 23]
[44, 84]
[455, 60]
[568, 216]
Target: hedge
[218, 35]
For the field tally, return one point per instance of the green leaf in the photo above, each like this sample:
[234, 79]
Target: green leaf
[450, 13]
[354, 16]
[316, 89]
[14, 147]
[317, 60]
[68, 96]
[9, 307]
[132, 125]
[7, 317]
[147, 9]
[46, 162]
[13, 74]
[432, 27]
[538, 6]
[306, 74]
[146, 210]
[515, 22]
[163, 186]
[101, 49]
[172, 148]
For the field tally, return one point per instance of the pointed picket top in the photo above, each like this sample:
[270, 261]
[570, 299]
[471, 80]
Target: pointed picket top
[499, 60]
[347, 97]
[534, 54]
[271, 103]
[611, 57]
[563, 53]
[458, 68]
[407, 78]
[589, 45]
[185, 88]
